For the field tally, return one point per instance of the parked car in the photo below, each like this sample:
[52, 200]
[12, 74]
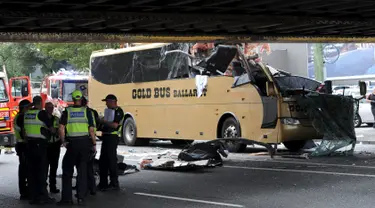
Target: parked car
[364, 115]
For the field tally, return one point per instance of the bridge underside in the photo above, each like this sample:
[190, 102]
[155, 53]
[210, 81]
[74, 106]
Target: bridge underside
[187, 20]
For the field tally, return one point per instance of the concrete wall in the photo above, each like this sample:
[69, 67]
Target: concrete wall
[291, 57]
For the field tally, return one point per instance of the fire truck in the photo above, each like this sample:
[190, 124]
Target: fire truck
[58, 87]
[11, 93]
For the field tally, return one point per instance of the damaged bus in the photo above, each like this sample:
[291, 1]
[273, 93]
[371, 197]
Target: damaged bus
[166, 93]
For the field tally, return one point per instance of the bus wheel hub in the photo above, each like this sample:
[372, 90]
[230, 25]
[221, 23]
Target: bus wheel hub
[129, 132]
[230, 132]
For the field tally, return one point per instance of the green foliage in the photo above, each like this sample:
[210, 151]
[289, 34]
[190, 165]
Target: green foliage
[20, 59]
[77, 54]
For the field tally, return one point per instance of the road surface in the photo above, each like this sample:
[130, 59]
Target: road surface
[245, 180]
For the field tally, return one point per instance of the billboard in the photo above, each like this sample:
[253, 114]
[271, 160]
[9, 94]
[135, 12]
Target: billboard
[344, 59]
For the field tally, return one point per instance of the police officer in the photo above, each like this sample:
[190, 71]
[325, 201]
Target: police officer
[90, 165]
[19, 133]
[108, 153]
[36, 128]
[53, 149]
[78, 123]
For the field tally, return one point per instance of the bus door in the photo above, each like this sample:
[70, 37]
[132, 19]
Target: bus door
[262, 79]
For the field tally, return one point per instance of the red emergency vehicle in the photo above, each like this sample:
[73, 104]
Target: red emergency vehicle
[11, 93]
[58, 87]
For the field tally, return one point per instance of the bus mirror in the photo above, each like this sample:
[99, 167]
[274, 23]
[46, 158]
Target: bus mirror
[328, 86]
[270, 89]
[362, 88]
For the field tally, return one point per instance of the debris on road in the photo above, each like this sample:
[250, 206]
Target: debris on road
[198, 155]
[122, 167]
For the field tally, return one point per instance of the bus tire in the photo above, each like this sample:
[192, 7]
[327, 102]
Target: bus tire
[357, 120]
[295, 146]
[181, 142]
[129, 134]
[231, 129]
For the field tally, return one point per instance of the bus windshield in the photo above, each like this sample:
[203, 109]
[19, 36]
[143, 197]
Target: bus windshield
[70, 85]
[3, 91]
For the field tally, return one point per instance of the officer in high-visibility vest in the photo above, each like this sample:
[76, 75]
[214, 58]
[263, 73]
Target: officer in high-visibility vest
[78, 124]
[90, 165]
[36, 132]
[108, 153]
[53, 149]
[21, 149]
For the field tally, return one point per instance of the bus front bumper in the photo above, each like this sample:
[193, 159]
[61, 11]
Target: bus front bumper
[294, 129]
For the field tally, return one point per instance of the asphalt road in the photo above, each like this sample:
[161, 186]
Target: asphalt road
[245, 180]
[365, 134]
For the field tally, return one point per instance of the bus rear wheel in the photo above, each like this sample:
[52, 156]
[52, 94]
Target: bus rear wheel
[295, 146]
[181, 142]
[231, 129]
[129, 134]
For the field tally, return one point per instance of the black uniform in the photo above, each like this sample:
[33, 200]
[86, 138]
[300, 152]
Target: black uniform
[108, 153]
[90, 165]
[37, 156]
[53, 156]
[77, 154]
[21, 149]
[372, 98]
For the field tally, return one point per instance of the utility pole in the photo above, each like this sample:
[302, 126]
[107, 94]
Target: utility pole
[318, 62]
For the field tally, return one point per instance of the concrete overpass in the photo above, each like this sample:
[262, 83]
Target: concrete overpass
[187, 20]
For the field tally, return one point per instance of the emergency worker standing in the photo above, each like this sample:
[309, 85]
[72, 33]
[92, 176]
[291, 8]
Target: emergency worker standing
[21, 149]
[79, 126]
[36, 131]
[371, 99]
[53, 149]
[90, 165]
[108, 153]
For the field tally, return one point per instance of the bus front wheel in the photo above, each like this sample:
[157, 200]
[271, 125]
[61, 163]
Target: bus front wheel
[129, 134]
[231, 129]
[295, 146]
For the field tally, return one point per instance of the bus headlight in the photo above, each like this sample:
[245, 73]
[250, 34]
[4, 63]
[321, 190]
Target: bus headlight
[290, 121]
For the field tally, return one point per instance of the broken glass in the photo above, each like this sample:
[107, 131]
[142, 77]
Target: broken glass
[332, 116]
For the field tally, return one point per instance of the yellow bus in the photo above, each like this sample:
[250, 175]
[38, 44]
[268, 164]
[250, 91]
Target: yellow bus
[168, 94]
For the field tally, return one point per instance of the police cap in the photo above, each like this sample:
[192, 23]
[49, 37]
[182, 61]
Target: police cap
[110, 97]
[76, 95]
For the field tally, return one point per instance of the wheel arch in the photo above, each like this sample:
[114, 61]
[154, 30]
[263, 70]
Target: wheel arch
[223, 117]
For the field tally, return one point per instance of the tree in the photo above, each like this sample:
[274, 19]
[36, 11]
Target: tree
[20, 59]
[77, 54]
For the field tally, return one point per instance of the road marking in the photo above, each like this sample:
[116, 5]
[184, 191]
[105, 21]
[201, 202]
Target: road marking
[360, 136]
[187, 199]
[302, 171]
[154, 182]
[311, 163]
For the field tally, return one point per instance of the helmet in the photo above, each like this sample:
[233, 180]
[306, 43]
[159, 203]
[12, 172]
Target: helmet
[76, 95]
